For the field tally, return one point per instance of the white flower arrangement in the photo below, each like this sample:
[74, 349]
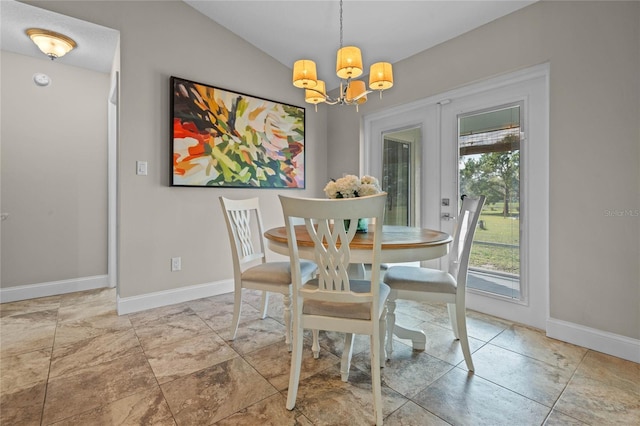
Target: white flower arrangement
[351, 186]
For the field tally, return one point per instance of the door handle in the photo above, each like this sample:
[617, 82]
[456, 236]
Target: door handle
[447, 216]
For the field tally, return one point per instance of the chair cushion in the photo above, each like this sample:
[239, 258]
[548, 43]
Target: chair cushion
[277, 272]
[345, 310]
[413, 278]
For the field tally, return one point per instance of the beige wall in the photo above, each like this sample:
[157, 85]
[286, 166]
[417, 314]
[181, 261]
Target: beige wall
[594, 53]
[54, 172]
[156, 221]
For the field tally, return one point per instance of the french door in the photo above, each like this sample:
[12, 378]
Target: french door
[490, 138]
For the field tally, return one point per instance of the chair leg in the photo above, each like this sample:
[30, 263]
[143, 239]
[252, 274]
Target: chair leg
[315, 347]
[451, 307]
[265, 304]
[461, 317]
[347, 352]
[391, 323]
[287, 320]
[376, 384]
[237, 307]
[381, 335]
[296, 364]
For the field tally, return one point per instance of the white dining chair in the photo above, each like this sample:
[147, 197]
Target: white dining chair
[433, 285]
[251, 270]
[333, 301]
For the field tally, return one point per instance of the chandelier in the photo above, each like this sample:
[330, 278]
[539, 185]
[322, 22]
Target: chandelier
[348, 67]
[52, 44]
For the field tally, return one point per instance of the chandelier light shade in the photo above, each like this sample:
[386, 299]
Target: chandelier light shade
[356, 92]
[348, 67]
[349, 62]
[52, 44]
[304, 74]
[381, 76]
[317, 95]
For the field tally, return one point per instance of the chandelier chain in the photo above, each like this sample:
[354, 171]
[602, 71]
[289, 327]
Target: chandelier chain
[341, 24]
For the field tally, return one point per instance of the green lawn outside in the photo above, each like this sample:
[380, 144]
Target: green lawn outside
[495, 258]
[497, 229]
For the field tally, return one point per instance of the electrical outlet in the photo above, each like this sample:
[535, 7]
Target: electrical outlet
[176, 264]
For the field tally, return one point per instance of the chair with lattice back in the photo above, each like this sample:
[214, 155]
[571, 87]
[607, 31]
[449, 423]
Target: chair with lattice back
[251, 270]
[334, 301]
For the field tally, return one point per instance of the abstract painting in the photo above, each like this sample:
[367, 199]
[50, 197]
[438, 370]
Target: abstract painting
[221, 138]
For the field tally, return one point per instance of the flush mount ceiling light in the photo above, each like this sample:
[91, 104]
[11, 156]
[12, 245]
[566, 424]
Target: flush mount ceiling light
[348, 67]
[52, 44]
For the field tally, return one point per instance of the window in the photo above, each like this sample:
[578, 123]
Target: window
[398, 175]
[489, 164]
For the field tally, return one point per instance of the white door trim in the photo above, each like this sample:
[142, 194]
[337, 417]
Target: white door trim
[112, 180]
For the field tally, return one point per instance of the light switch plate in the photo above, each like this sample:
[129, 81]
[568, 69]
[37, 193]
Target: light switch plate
[141, 168]
[176, 264]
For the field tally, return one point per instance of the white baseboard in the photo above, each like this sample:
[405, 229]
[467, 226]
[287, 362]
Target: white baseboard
[598, 340]
[33, 291]
[128, 305]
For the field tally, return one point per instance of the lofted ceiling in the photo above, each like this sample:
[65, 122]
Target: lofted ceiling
[388, 31]
[385, 30]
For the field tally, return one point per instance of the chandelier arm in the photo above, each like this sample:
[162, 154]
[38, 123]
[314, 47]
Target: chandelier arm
[365, 93]
[317, 91]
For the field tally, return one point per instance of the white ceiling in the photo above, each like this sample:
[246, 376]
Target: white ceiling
[385, 30]
[389, 30]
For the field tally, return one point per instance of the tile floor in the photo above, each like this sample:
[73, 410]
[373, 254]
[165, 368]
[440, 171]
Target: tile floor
[70, 360]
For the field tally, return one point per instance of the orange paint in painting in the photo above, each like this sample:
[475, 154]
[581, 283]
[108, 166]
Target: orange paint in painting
[246, 157]
[189, 130]
[255, 113]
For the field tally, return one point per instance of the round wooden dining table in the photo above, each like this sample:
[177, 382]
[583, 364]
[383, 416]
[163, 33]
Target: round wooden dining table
[399, 244]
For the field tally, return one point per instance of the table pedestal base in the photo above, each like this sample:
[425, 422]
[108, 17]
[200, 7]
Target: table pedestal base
[418, 338]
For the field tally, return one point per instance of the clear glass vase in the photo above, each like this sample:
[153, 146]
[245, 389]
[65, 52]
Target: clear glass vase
[363, 225]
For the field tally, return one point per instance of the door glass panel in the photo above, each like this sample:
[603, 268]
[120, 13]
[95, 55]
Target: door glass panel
[489, 163]
[397, 176]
